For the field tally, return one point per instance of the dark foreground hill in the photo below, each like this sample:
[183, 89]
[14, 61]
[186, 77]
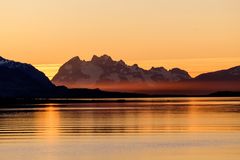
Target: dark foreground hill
[22, 80]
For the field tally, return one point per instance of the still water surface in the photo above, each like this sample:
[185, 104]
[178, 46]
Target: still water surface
[146, 129]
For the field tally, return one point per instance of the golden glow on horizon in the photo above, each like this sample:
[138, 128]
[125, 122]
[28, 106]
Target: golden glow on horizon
[198, 36]
[49, 69]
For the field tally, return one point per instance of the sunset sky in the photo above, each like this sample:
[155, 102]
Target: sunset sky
[195, 35]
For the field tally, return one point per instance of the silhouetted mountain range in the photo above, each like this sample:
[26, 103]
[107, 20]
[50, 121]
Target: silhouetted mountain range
[105, 73]
[23, 80]
[103, 70]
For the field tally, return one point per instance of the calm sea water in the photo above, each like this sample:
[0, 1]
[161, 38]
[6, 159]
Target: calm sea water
[150, 129]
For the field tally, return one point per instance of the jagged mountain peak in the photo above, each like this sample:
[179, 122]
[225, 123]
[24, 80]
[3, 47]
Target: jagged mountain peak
[178, 71]
[72, 63]
[94, 57]
[105, 56]
[135, 66]
[74, 59]
[121, 62]
[103, 69]
[101, 59]
[158, 69]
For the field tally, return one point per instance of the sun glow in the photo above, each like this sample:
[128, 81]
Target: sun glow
[169, 33]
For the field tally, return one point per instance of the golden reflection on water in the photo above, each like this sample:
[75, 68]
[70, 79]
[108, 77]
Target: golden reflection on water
[48, 121]
[134, 118]
[187, 128]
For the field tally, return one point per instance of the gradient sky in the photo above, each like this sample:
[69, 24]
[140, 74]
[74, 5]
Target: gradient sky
[196, 35]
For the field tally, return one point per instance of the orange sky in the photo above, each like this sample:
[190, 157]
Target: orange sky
[198, 36]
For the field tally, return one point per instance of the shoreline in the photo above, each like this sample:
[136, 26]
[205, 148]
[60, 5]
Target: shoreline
[13, 101]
